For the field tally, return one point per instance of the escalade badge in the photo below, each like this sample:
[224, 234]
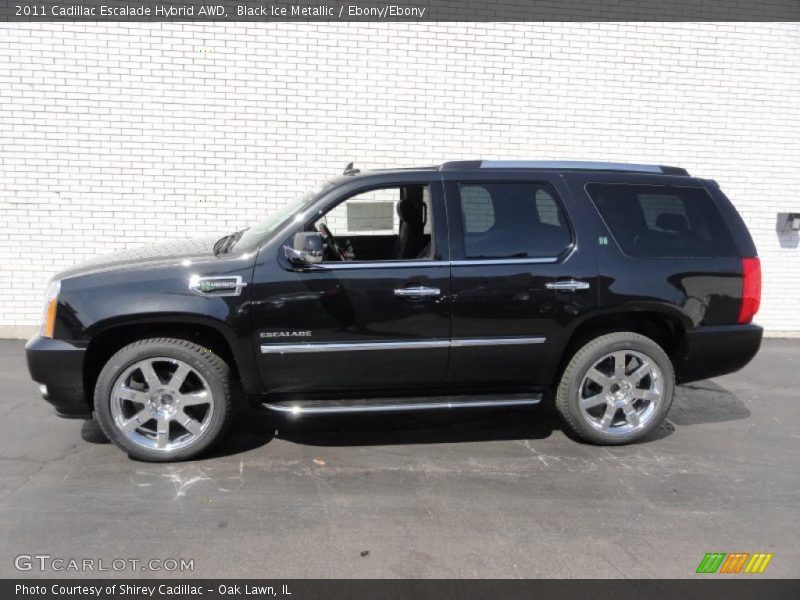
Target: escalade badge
[284, 334]
[216, 286]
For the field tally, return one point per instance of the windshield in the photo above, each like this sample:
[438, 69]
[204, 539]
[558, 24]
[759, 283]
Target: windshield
[254, 235]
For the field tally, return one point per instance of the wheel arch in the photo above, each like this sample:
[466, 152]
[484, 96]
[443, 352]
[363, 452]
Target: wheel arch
[108, 338]
[664, 327]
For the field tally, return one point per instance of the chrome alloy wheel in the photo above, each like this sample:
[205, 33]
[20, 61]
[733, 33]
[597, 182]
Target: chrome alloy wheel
[162, 404]
[621, 392]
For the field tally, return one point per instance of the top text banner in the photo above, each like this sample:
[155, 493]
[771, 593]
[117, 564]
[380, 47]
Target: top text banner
[414, 10]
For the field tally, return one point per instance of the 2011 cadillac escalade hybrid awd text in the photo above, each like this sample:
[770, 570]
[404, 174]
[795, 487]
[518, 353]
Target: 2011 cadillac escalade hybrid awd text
[471, 284]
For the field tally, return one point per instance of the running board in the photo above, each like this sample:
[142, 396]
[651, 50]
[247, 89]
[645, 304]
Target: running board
[326, 407]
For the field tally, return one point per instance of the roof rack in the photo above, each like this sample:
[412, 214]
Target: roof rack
[577, 165]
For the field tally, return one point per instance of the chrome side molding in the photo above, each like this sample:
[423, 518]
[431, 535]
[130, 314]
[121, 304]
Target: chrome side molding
[469, 342]
[345, 347]
[404, 345]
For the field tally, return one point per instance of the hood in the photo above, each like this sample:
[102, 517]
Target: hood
[164, 254]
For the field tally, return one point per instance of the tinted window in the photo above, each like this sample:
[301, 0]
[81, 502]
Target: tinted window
[663, 221]
[512, 220]
[476, 205]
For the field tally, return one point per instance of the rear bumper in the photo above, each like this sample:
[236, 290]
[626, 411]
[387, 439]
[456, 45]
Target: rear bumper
[713, 351]
[58, 366]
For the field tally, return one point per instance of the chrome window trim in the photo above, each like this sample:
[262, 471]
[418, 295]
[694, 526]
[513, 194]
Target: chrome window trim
[404, 345]
[432, 263]
[504, 261]
[379, 264]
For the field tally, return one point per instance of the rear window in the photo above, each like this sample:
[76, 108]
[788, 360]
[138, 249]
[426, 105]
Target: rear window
[660, 221]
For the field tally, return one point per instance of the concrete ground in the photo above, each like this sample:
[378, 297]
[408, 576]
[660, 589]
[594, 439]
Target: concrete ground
[472, 494]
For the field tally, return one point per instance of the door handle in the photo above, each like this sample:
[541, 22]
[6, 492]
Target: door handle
[567, 285]
[417, 292]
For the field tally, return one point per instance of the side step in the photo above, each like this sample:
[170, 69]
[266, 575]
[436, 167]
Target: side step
[365, 405]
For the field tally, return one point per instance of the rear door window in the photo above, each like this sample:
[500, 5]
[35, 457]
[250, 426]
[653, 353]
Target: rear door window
[512, 220]
[660, 221]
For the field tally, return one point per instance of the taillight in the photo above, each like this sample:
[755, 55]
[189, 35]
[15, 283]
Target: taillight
[751, 289]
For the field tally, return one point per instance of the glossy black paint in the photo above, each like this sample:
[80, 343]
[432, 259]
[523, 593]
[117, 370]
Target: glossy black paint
[695, 291]
[512, 300]
[356, 303]
[712, 351]
[59, 364]
[132, 289]
[350, 306]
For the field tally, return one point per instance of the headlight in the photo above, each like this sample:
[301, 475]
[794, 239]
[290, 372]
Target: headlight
[50, 303]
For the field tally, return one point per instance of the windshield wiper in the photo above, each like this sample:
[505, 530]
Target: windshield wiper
[224, 244]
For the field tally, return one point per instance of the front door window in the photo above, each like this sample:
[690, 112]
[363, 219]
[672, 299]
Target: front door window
[391, 223]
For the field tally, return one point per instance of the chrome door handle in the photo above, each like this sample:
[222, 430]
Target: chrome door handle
[417, 292]
[567, 285]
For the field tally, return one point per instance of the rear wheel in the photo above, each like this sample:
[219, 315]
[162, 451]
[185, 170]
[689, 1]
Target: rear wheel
[616, 389]
[164, 399]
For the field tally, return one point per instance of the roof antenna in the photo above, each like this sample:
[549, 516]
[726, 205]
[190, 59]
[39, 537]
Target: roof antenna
[349, 170]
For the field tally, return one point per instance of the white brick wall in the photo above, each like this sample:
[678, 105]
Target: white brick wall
[114, 135]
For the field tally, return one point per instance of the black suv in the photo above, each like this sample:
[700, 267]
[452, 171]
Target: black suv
[471, 284]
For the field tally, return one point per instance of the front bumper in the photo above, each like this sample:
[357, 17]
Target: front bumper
[712, 351]
[58, 365]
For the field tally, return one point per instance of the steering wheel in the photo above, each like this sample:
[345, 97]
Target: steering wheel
[328, 238]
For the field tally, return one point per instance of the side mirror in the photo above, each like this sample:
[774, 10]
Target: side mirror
[306, 250]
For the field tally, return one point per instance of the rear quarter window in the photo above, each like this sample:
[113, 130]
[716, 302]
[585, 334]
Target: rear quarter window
[662, 221]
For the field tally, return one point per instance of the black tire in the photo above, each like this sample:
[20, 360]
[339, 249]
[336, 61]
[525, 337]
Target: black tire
[203, 361]
[571, 388]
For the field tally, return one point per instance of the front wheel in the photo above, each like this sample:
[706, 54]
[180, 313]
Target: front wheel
[163, 399]
[616, 389]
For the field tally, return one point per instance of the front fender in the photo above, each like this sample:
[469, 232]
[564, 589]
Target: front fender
[97, 304]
